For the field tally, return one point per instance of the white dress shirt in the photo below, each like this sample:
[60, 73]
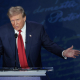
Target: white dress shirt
[23, 33]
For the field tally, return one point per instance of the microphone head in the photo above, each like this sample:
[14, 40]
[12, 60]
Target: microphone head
[16, 35]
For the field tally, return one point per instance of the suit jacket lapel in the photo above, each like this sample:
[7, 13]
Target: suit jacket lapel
[13, 46]
[12, 40]
[28, 39]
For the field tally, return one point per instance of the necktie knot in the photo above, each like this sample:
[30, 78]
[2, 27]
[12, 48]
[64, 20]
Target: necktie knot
[19, 31]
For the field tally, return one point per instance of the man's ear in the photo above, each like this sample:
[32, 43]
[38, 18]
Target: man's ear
[24, 18]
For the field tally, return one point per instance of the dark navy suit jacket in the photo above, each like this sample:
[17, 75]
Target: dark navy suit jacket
[34, 42]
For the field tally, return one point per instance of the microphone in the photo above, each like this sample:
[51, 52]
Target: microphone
[15, 35]
[26, 42]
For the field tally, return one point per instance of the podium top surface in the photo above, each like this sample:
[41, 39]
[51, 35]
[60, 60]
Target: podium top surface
[26, 69]
[32, 71]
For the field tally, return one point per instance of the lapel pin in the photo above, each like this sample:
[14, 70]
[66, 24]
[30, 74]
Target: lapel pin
[30, 35]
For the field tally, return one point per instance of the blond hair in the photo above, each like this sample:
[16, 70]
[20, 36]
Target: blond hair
[15, 11]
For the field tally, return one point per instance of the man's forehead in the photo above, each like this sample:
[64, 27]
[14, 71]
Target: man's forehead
[15, 15]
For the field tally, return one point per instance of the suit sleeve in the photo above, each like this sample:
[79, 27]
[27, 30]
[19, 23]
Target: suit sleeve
[49, 45]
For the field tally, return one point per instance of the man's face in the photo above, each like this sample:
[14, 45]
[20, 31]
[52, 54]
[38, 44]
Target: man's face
[18, 21]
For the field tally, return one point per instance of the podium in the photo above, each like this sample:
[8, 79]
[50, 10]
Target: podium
[33, 73]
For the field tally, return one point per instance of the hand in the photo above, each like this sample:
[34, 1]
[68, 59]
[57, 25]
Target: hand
[70, 52]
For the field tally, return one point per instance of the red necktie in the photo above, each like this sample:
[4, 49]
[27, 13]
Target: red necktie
[21, 52]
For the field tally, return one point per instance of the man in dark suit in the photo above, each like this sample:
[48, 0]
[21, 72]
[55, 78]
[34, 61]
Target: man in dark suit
[33, 37]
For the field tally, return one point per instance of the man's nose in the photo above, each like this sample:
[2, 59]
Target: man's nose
[15, 22]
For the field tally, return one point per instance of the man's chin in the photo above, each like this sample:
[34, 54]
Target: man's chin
[17, 29]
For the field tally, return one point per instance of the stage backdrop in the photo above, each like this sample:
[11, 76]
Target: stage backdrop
[61, 20]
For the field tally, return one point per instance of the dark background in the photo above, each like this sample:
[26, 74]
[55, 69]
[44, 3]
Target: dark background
[61, 20]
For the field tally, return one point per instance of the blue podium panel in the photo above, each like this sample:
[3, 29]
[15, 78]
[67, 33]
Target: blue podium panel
[20, 78]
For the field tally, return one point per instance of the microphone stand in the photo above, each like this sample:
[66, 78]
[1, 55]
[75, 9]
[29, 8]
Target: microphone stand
[16, 35]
